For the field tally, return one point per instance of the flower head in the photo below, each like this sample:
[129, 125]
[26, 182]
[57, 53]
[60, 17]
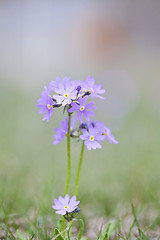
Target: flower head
[66, 92]
[94, 133]
[65, 205]
[92, 137]
[63, 130]
[89, 85]
[45, 103]
[83, 109]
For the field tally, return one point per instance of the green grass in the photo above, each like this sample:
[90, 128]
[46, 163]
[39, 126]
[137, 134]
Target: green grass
[33, 172]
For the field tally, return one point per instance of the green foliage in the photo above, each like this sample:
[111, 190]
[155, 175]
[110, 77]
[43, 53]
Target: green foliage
[81, 229]
[57, 234]
[20, 236]
[60, 223]
[135, 221]
[108, 232]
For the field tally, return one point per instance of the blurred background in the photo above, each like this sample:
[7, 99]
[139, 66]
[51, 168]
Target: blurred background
[117, 42]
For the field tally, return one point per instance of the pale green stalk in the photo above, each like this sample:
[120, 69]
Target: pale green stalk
[78, 170]
[68, 154]
[68, 165]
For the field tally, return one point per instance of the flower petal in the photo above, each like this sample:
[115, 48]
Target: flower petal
[62, 212]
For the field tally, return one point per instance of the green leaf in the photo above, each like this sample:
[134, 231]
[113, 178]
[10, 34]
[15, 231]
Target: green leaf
[57, 234]
[81, 230]
[20, 236]
[68, 233]
[60, 223]
[142, 236]
[109, 232]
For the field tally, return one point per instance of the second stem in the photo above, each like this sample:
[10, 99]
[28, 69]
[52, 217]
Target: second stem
[79, 169]
[68, 154]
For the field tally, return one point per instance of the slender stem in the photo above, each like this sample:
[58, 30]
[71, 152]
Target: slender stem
[69, 230]
[68, 166]
[79, 169]
[68, 154]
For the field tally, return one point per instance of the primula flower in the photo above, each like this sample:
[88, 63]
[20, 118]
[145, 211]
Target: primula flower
[109, 136]
[66, 92]
[91, 137]
[106, 131]
[54, 84]
[62, 131]
[45, 105]
[65, 205]
[83, 110]
[51, 86]
[89, 85]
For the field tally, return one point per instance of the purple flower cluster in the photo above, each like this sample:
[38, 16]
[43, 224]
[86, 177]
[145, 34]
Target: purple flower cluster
[73, 95]
[65, 92]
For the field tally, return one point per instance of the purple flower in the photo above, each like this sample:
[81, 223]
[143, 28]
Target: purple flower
[66, 92]
[63, 130]
[92, 136]
[65, 205]
[109, 136]
[54, 84]
[83, 110]
[45, 105]
[106, 131]
[89, 85]
[51, 86]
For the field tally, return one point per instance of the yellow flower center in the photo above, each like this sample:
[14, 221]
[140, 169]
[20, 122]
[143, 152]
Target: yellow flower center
[82, 108]
[66, 207]
[104, 134]
[91, 138]
[49, 106]
[66, 134]
[66, 95]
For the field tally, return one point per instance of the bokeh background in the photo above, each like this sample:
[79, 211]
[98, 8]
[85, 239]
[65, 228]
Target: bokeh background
[117, 42]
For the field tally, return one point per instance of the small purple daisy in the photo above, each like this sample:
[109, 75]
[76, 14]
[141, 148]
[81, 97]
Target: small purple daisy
[91, 137]
[89, 85]
[83, 110]
[45, 105]
[66, 92]
[63, 130]
[65, 205]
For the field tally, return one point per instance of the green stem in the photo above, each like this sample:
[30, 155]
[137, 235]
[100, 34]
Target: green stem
[68, 154]
[68, 166]
[69, 230]
[79, 169]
